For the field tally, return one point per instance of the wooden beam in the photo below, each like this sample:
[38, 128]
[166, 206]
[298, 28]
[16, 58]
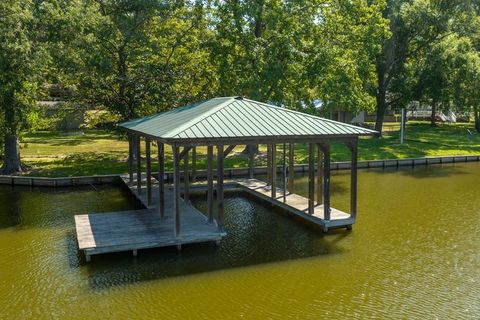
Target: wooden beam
[139, 165]
[274, 170]
[161, 178]
[130, 158]
[186, 179]
[251, 160]
[291, 168]
[182, 154]
[227, 151]
[269, 164]
[326, 180]
[353, 177]
[210, 183]
[220, 204]
[194, 164]
[311, 178]
[319, 176]
[149, 170]
[176, 190]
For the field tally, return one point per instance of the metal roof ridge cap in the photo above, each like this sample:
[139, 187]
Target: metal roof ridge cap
[175, 132]
[310, 115]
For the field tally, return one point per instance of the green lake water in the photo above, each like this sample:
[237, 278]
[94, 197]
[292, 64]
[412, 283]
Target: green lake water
[413, 253]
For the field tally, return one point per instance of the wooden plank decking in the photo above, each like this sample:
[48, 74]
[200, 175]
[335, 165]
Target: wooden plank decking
[296, 204]
[140, 229]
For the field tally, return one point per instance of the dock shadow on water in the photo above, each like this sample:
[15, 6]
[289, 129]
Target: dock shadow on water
[255, 235]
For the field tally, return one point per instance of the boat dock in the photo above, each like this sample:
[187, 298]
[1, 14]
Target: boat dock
[144, 228]
[296, 205]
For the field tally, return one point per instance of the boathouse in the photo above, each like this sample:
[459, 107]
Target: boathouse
[219, 124]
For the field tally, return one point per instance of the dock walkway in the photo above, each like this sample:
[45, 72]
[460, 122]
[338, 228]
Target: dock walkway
[141, 229]
[296, 205]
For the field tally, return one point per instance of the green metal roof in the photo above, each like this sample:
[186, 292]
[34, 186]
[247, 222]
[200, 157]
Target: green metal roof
[236, 117]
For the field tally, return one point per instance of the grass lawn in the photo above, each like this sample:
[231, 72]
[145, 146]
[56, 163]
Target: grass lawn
[97, 152]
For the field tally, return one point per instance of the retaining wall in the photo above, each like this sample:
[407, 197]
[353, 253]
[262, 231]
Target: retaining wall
[231, 172]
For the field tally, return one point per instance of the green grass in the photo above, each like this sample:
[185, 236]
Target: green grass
[97, 152]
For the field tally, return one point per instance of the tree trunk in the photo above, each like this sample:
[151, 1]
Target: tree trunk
[11, 161]
[381, 109]
[433, 116]
[476, 113]
[254, 149]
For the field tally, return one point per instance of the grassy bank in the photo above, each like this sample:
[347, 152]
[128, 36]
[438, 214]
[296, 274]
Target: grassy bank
[100, 152]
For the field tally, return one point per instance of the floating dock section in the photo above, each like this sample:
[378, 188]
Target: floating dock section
[142, 229]
[296, 205]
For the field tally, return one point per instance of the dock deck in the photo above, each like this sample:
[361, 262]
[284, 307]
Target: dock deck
[296, 204]
[144, 228]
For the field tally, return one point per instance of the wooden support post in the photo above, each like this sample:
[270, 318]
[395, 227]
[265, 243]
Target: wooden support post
[284, 172]
[176, 190]
[194, 164]
[291, 167]
[269, 164]
[139, 165]
[274, 170]
[161, 178]
[186, 179]
[353, 178]
[326, 181]
[220, 204]
[130, 157]
[311, 178]
[210, 183]
[319, 176]
[251, 160]
[149, 170]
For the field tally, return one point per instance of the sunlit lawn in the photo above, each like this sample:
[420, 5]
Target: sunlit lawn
[100, 152]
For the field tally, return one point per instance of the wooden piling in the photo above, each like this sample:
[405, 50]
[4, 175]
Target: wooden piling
[161, 178]
[148, 161]
[311, 178]
[210, 183]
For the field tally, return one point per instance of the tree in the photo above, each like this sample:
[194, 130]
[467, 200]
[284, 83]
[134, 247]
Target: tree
[141, 57]
[414, 25]
[22, 63]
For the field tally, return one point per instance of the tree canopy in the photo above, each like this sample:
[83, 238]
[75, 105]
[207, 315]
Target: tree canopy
[138, 57]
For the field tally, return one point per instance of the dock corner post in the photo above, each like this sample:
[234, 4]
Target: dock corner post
[176, 190]
[284, 172]
[210, 183]
[319, 176]
[186, 176]
[274, 170]
[251, 160]
[311, 178]
[220, 204]
[326, 180]
[130, 158]
[139, 164]
[291, 167]
[161, 178]
[148, 160]
[353, 146]
[269, 164]
[194, 164]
